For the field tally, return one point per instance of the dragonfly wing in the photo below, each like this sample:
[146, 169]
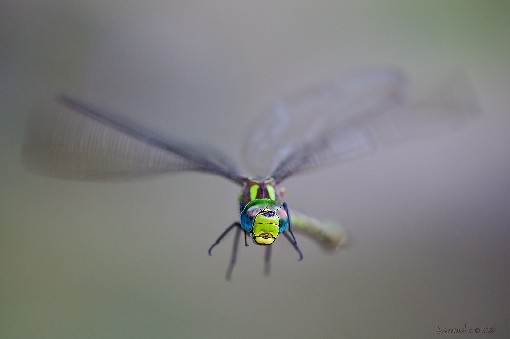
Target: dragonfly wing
[77, 141]
[356, 115]
[303, 117]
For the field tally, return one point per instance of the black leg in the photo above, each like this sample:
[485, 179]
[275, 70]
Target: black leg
[291, 238]
[245, 241]
[294, 244]
[267, 260]
[223, 235]
[290, 222]
[233, 257]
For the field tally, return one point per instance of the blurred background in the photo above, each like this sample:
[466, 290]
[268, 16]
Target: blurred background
[428, 221]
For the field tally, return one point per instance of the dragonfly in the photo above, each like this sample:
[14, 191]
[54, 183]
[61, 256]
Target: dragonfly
[358, 114]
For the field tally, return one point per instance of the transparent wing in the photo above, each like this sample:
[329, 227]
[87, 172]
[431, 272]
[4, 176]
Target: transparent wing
[302, 118]
[77, 141]
[356, 115]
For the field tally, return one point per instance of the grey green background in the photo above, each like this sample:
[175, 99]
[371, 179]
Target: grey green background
[428, 221]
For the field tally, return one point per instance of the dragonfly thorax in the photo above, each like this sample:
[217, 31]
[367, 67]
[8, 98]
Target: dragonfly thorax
[259, 189]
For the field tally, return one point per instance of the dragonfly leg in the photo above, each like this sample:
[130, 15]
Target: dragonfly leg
[292, 240]
[290, 223]
[267, 260]
[233, 258]
[222, 235]
[245, 241]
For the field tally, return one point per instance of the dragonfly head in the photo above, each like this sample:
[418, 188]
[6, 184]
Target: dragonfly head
[265, 219]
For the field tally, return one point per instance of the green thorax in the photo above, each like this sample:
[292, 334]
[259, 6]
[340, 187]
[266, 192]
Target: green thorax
[259, 189]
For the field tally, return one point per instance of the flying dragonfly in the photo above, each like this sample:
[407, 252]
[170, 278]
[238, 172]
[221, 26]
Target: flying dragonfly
[358, 114]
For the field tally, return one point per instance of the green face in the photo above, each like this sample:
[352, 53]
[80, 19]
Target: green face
[266, 227]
